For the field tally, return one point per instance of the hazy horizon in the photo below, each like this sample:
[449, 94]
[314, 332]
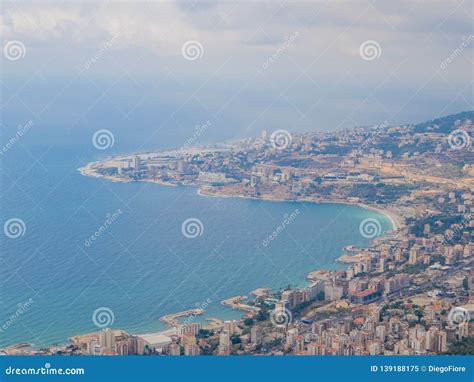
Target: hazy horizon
[297, 66]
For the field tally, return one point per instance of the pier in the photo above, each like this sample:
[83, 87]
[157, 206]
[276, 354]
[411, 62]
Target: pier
[234, 303]
[172, 319]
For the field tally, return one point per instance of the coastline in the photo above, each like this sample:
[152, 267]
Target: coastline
[395, 219]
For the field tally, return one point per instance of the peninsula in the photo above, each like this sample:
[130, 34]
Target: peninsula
[410, 292]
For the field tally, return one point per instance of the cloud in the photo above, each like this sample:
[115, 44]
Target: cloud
[239, 39]
[145, 24]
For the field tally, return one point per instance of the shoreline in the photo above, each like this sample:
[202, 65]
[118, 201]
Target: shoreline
[395, 219]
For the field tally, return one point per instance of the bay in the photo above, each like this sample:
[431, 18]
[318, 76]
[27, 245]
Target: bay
[141, 266]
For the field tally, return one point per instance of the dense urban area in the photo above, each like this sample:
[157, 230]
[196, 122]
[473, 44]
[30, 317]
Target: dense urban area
[409, 293]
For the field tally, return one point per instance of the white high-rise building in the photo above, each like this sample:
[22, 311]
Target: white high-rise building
[136, 163]
[255, 335]
[191, 349]
[192, 328]
[107, 340]
[224, 343]
[291, 337]
[231, 326]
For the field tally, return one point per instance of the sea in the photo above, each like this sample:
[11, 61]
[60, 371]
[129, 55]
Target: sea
[83, 245]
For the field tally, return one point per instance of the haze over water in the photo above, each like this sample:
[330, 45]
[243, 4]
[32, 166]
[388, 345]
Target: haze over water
[84, 67]
[142, 266]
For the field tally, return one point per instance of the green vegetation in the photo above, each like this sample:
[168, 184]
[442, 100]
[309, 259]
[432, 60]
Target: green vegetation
[248, 321]
[438, 224]
[203, 333]
[414, 268]
[379, 192]
[463, 347]
[445, 124]
[235, 339]
[108, 171]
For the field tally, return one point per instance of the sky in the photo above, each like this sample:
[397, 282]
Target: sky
[153, 71]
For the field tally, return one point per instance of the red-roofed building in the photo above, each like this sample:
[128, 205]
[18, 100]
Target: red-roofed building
[365, 296]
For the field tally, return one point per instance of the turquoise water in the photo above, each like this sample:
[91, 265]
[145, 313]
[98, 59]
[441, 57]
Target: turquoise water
[142, 266]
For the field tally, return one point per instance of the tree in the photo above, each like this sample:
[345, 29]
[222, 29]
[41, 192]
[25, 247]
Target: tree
[419, 314]
[235, 340]
[465, 346]
[248, 321]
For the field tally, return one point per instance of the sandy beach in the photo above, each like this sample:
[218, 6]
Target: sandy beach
[396, 220]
